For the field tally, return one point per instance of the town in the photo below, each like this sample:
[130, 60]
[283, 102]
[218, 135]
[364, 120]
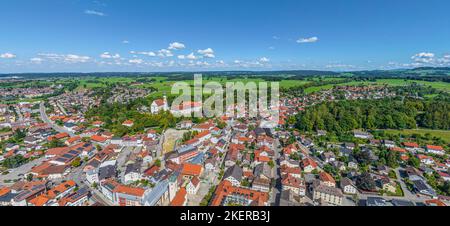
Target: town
[65, 150]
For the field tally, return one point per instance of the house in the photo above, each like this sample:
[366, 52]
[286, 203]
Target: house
[389, 143]
[263, 170]
[296, 185]
[78, 198]
[128, 123]
[62, 190]
[411, 146]
[423, 188]
[376, 201]
[186, 124]
[387, 185]
[180, 198]
[193, 186]
[41, 200]
[362, 135]
[309, 165]
[324, 193]
[427, 160]
[234, 175]
[100, 140]
[348, 187]
[107, 189]
[327, 179]
[210, 164]
[444, 176]
[133, 172]
[159, 105]
[437, 150]
[261, 184]
[226, 194]
[189, 170]
[98, 124]
[186, 108]
[128, 196]
[401, 202]
[328, 157]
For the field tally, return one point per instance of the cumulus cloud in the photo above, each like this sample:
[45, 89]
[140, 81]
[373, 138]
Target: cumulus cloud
[165, 53]
[68, 58]
[208, 53]
[36, 60]
[308, 40]
[423, 57]
[136, 61]
[152, 54]
[264, 60]
[7, 56]
[107, 55]
[125, 42]
[176, 46]
[94, 13]
[181, 57]
[191, 57]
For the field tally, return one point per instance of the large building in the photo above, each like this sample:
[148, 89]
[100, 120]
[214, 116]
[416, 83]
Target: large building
[226, 195]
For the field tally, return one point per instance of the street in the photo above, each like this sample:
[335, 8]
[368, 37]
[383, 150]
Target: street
[45, 118]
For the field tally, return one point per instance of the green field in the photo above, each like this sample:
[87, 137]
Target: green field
[444, 134]
[390, 82]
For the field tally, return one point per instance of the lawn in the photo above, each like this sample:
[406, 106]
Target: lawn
[444, 134]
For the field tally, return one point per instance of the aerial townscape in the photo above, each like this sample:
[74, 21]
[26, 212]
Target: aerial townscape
[114, 141]
[225, 104]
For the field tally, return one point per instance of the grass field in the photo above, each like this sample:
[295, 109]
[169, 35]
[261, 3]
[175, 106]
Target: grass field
[444, 134]
[163, 86]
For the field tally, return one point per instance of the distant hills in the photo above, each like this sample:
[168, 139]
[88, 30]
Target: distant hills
[443, 73]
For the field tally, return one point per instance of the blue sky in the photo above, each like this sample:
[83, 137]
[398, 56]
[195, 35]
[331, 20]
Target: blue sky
[174, 35]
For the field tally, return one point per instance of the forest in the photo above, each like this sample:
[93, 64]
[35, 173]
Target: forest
[343, 116]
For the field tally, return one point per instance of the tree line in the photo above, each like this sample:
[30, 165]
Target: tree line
[343, 116]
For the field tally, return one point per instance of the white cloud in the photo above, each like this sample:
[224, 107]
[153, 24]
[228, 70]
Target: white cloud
[36, 60]
[191, 56]
[125, 42]
[93, 12]
[264, 60]
[72, 58]
[308, 40]
[107, 55]
[136, 61]
[7, 56]
[152, 54]
[181, 57]
[176, 46]
[271, 48]
[208, 53]
[423, 57]
[69, 58]
[165, 53]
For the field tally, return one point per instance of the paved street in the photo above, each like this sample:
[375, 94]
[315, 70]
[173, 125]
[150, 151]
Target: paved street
[276, 191]
[45, 118]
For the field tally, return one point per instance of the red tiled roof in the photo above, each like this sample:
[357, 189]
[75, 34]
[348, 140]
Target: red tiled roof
[191, 169]
[179, 198]
[138, 192]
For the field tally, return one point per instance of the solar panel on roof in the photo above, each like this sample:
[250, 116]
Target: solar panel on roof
[61, 159]
[68, 156]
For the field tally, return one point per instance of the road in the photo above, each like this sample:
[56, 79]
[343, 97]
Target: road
[18, 173]
[277, 189]
[45, 118]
